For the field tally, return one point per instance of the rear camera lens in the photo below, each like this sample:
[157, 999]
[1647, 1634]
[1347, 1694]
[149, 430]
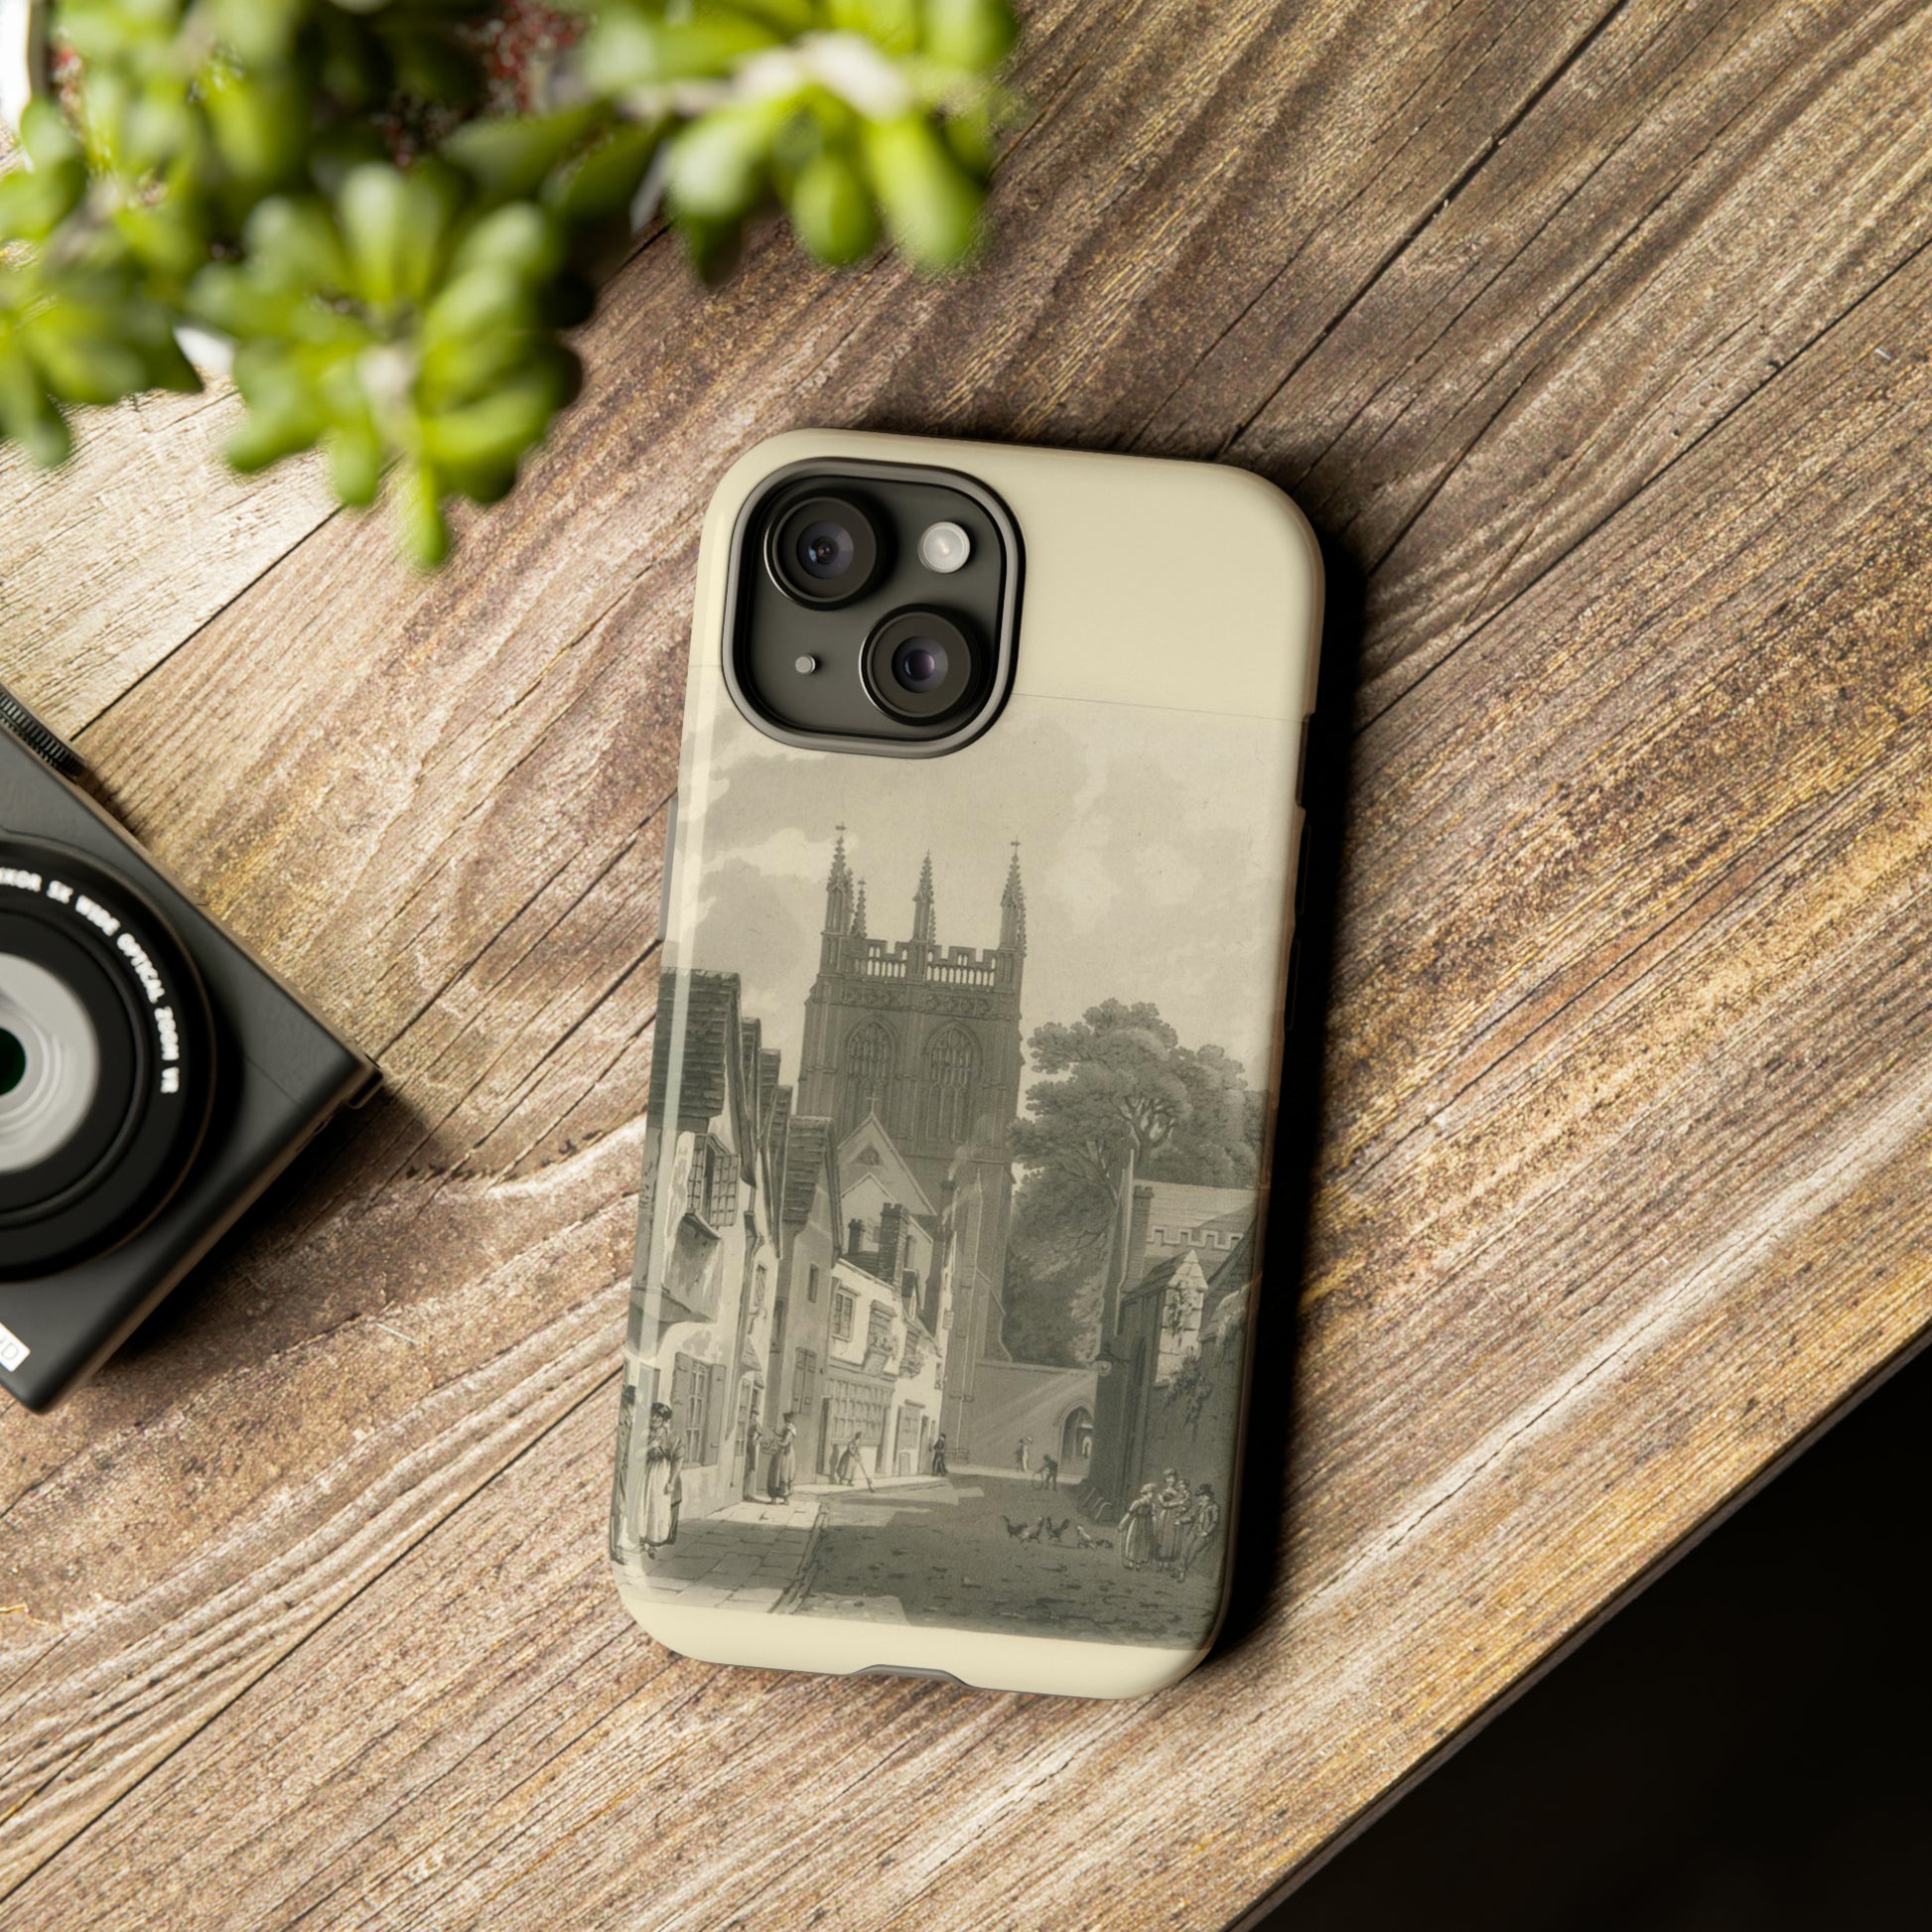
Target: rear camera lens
[922, 670]
[823, 550]
[919, 664]
[50, 1064]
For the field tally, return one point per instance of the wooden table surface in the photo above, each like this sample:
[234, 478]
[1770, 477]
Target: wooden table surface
[1595, 336]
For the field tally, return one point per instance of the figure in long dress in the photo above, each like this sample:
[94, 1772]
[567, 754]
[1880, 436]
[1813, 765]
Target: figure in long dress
[1023, 1454]
[845, 1469]
[784, 1458]
[1137, 1530]
[754, 1442]
[1168, 1504]
[939, 1454]
[1203, 1526]
[663, 1480]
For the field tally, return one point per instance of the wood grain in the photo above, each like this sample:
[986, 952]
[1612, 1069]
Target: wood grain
[138, 540]
[1595, 337]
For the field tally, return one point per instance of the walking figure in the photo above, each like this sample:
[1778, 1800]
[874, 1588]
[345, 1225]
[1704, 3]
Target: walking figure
[846, 1468]
[939, 1455]
[1049, 1472]
[1023, 1455]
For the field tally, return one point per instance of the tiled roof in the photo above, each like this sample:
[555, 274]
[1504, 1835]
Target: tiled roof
[1236, 1267]
[1161, 1274]
[775, 1138]
[806, 1148]
[710, 1040]
[768, 1089]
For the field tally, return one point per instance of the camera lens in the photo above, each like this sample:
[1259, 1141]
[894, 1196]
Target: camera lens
[824, 550]
[921, 668]
[919, 664]
[50, 1064]
[106, 1059]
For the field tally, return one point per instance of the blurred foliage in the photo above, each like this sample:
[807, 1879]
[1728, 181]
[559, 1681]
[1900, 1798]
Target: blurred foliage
[386, 209]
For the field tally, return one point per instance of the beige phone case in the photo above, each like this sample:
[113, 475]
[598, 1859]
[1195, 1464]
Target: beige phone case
[963, 1088]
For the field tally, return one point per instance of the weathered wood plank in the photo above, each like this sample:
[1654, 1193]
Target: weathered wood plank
[110, 562]
[1622, 1176]
[1680, 212]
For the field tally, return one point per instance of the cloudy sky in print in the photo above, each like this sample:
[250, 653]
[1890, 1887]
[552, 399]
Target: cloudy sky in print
[1154, 845]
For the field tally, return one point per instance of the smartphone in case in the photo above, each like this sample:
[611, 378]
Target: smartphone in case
[977, 947]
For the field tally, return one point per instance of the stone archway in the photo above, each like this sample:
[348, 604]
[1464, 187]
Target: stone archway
[1076, 1437]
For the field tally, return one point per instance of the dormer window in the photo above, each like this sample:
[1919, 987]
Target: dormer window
[713, 1193]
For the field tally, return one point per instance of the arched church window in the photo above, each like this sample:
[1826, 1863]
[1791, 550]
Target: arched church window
[868, 1072]
[951, 1067]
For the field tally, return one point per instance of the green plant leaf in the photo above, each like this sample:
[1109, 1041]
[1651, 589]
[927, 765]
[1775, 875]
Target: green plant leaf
[931, 204]
[831, 208]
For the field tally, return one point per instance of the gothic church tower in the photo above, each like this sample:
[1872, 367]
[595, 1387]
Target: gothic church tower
[927, 1037]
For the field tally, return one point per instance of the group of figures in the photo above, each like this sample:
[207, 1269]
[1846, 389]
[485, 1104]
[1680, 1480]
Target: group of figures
[776, 1451]
[1169, 1526]
[770, 1451]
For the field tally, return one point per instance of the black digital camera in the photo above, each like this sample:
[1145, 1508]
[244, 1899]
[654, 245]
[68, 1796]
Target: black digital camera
[154, 1078]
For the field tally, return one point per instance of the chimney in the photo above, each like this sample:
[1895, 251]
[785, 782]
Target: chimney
[855, 1235]
[891, 1230]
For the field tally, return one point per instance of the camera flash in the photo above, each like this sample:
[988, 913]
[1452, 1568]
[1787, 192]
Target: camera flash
[804, 664]
[945, 548]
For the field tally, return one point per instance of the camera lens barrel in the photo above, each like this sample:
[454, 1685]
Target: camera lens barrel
[922, 667]
[824, 551]
[106, 1059]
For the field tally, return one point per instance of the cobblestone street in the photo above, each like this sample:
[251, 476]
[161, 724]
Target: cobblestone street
[951, 1558]
[746, 1557]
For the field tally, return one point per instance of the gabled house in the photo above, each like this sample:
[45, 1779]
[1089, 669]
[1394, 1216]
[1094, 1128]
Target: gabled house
[699, 1334]
[809, 1202]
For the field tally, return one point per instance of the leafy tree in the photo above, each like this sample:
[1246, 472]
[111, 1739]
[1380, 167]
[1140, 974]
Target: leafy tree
[1119, 1082]
[385, 208]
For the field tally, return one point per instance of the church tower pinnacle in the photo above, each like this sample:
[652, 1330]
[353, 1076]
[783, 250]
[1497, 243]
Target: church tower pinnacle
[924, 932]
[1013, 910]
[838, 892]
[859, 913]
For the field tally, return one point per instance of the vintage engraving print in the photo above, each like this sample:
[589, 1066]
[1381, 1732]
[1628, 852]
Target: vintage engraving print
[947, 1252]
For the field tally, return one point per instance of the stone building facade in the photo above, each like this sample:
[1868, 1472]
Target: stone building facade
[924, 1040]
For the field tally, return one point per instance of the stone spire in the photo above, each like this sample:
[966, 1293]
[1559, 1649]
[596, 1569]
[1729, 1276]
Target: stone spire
[924, 932]
[1013, 910]
[859, 913]
[838, 891]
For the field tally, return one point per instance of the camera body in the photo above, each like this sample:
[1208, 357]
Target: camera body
[154, 1078]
